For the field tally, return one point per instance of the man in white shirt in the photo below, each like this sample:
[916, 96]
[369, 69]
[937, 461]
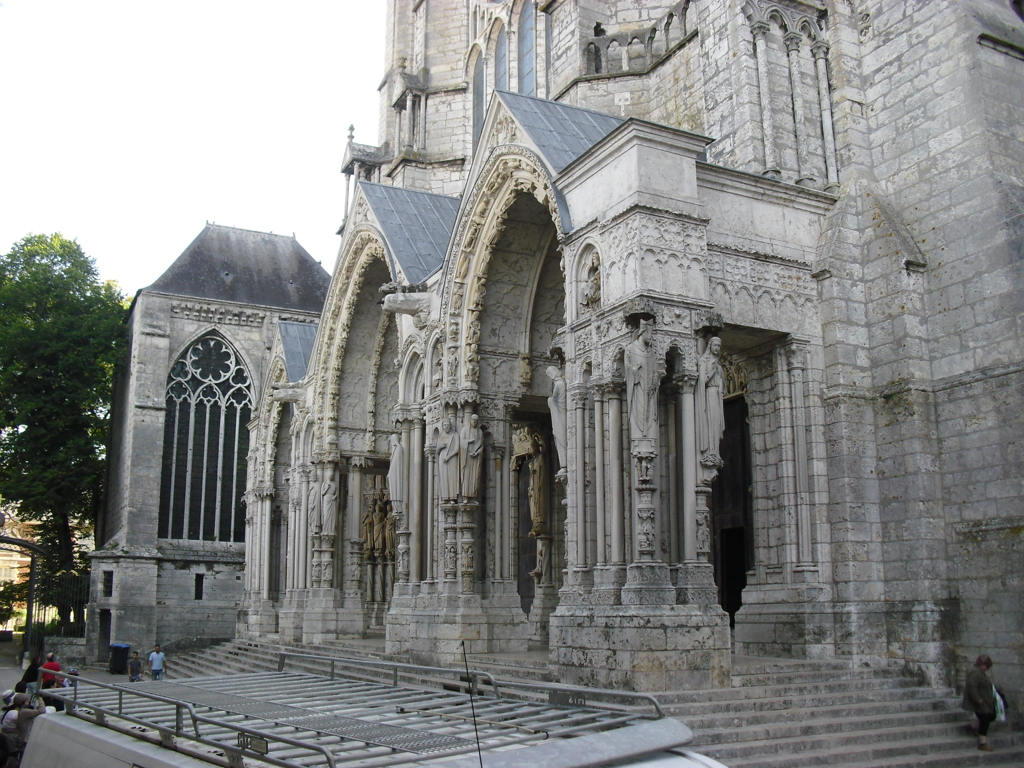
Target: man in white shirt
[156, 664]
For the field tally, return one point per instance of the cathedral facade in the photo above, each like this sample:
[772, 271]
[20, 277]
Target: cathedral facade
[664, 331]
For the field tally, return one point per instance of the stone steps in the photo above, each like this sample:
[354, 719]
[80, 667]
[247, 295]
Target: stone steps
[777, 714]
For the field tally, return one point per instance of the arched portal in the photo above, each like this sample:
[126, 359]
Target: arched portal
[522, 315]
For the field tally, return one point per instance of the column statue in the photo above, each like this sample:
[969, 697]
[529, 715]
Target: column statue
[313, 508]
[379, 525]
[708, 409]
[641, 385]
[448, 462]
[329, 505]
[557, 405]
[537, 491]
[396, 475]
[471, 446]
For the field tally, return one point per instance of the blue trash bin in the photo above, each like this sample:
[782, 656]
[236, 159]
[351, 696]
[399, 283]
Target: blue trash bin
[119, 658]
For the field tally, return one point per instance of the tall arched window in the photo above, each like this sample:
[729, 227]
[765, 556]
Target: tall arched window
[501, 60]
[527, 48]
[478, 98]
[206, 442]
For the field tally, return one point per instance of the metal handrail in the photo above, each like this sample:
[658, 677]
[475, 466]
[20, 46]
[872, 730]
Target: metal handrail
[196, 718]
[395, 666]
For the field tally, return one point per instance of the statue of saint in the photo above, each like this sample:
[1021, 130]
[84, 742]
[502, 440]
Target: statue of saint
[389, 536]
[641, 385]
[368, 528]
[448, 461]
[329, 505]
[709, 413]
[537, 492]
[313, 508]
[558, 404]
[379, 526]
[471, 457]
[396, 475]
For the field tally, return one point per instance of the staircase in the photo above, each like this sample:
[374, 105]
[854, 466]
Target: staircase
[777, 714]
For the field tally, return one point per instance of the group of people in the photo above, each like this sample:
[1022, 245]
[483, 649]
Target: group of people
[27, 701]
[155, 667]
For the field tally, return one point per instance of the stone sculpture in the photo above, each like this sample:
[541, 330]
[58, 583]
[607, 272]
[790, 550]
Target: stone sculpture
[537, 491]
[471, 445]
[379, 526]
[329, 506]
[557, 405]
[709, 413]
[641, 385]
[448, 461]
[313, 508]
[396, 475]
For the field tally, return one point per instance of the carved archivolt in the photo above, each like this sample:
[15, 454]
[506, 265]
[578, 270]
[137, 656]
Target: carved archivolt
[514, 172]
[365, 248]
[791, 16]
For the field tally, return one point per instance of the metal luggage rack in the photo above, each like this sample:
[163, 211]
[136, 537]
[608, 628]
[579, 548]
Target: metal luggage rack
[362, 713]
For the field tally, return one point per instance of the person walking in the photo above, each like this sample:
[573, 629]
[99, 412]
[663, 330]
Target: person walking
[134, 668]
[980, 698]
[157, 661]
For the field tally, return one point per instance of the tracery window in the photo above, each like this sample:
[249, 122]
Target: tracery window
[527, 47]
[206, 441]
[501, 60]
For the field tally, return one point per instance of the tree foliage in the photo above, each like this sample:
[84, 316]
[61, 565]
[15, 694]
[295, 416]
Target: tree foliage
[61, 333]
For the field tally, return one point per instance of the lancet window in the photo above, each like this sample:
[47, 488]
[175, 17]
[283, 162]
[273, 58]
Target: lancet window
[209, 403]
[501, 60]
[527, 47]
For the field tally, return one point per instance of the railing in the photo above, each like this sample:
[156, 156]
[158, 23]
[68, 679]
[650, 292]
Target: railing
[100, 715]
[569, 694]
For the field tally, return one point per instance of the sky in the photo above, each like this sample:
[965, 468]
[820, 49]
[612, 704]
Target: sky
[128, 124]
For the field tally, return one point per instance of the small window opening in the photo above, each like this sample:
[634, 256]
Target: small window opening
[199, 586]
[108, 583]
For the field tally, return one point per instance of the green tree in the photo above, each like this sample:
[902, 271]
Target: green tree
[61, 333]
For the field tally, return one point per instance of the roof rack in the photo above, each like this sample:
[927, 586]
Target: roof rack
[369, 713]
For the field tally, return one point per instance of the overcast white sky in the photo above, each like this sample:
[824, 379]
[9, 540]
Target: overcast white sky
[128, 124]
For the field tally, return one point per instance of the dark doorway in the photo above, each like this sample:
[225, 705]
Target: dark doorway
[103, 651]
[732, 510]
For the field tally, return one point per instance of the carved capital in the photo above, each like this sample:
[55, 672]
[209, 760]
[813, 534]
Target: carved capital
[792, 41]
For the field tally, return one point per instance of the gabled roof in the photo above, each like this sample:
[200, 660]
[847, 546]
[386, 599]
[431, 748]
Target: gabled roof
[297, 345]
[247, 267]
[560, 132]
[416, 226]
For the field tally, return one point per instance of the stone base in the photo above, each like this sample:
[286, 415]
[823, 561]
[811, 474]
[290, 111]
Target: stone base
[648, 648]
[431, 629]
[256, 618]
[800, 621]
[322, 618]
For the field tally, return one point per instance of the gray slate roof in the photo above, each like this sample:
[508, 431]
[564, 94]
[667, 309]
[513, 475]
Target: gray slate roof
[297, 344]
[561, 132]
[247, 267]
[416, 226]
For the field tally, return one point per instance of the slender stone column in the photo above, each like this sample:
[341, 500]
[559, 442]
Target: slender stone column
[771, 163]
[451, 548]
[423, 121]
[804, 175]
[408, 117]
[805, 555]
[353, 525]
[304, 533]
[599, 495]
[580, 401]
[430, 536]
[688, 431]
[414, 495]
[820, 51]
[674, 513]
[615, 467]
[500, 532]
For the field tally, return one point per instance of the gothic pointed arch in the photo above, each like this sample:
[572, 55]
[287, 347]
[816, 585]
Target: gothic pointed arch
[209, 400]
[511, 174]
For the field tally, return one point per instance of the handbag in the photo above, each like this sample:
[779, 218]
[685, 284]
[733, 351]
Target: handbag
[1000, 707]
